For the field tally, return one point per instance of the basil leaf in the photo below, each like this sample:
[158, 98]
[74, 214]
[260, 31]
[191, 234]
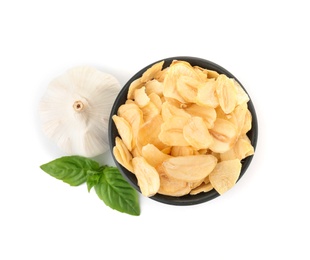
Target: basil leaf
[70, 169]
[116, 192]
[93, 177]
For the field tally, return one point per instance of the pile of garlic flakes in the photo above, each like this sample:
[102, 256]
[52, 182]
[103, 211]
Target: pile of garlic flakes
[183, 130]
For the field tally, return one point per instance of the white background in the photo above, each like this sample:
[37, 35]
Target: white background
[265, 44]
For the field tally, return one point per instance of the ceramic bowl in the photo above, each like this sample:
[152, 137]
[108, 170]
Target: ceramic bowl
[130, 177]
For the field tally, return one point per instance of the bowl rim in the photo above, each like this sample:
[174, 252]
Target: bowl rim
[186, 199]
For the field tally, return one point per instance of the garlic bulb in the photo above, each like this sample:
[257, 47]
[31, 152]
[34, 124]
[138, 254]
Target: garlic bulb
[75, 110]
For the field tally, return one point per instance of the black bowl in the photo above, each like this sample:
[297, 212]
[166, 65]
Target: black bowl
[130, 177]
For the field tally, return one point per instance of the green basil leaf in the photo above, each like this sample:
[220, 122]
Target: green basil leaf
[93, 177]
[70, 169]
[116, 192]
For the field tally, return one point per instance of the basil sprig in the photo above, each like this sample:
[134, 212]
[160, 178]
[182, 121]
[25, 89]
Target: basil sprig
[107, 181]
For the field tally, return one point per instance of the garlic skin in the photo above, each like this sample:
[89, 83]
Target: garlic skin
[75, 110]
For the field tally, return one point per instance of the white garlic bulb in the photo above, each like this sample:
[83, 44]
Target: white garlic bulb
[75, 110]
